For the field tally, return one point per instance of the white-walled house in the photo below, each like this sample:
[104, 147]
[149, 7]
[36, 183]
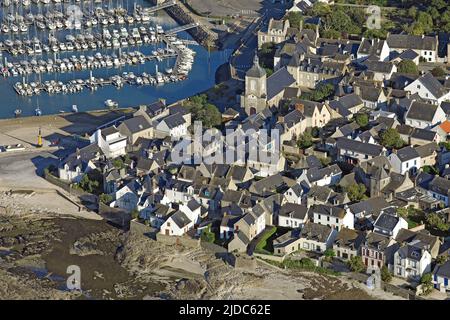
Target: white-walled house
[192, 210]
[411, 261]
[389, 225]
[439, 188]
[316, 237]
[292, 215]
[373, 48]
[424, 115]
[127, 197]
[327, 176]
[77, 164]
[177, 224]
[425, 46]
[111, 142]
[441, 274]
[334, 217]
[405, 160]
[294, 194]
[429, 88]
[174, 126]
[178, 192]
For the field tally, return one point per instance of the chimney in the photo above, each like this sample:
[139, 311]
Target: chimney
[300, 107]
[280, 119]
[357, 90]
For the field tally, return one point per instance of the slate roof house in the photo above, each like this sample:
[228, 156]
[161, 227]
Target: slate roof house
[373, 49]
[405, 160]
[177, 224]
[412, 260]
[134, 128]
[425, 46]
[376, 250]
[433, 243]
[316, 237]
[424, 115]
[441, 274]
[352, 151]
[334, 217]
[429, 88]
[348, 243]
[292, 215]
[389, 225]
[439, 188]
[74, 166]
[275, 32]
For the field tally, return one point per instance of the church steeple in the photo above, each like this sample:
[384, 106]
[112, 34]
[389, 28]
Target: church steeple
[256, 71]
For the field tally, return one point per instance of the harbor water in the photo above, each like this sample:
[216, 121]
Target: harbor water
[200, 78]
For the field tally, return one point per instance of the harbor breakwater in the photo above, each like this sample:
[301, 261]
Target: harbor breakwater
[183, 16]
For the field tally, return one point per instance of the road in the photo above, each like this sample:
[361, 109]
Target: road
[22, 169]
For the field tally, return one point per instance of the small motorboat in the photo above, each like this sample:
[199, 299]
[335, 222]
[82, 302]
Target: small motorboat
[74, 108]
[38, 112]
[111, 104]
[17, 113]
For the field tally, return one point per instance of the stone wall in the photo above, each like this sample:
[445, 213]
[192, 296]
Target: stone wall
[201, 34]
[243, 261]
[269, 257]
[139, 228]
[118, 217]
[174, 240]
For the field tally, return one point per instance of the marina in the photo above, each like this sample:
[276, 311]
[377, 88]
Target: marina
[61, 16]
[53, 69]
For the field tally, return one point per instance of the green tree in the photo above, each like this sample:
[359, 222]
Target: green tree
[386, 276]
[315, 131]
[438, 72]
[322, 91]
[329, 253]
[134, 213]
[208, 236]
[407, 66]
[88, 184]
[362, 119]
[305, 140]
[118, 163]
[356, 264]
[267, 48]
[105, 198]
[425, 281]
[356, 192]
[391, 139]
[441, 259]
[402, 212]
[434, 220]
[204, 111]
[412, 12]
[295, 19]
